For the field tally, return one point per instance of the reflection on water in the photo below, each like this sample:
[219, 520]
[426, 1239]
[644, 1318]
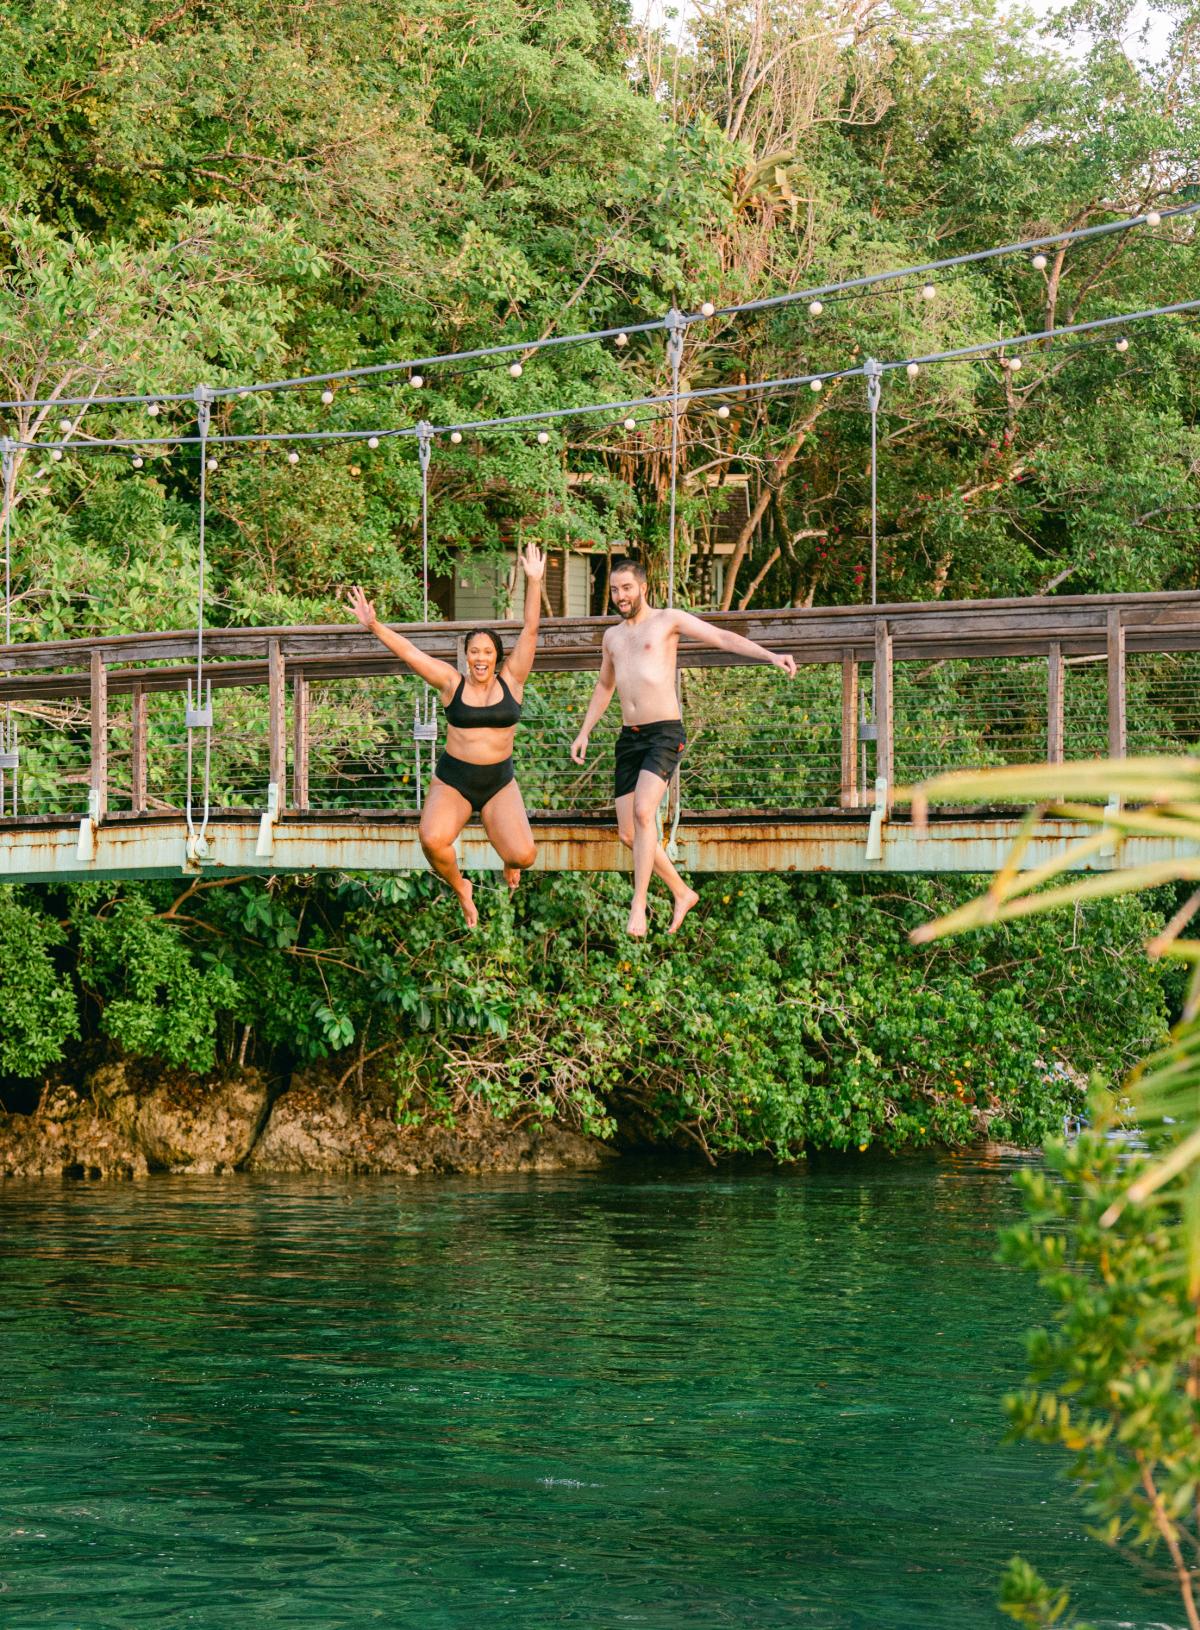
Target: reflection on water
[652, 1400]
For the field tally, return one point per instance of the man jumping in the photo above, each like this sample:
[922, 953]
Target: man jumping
[638, 660]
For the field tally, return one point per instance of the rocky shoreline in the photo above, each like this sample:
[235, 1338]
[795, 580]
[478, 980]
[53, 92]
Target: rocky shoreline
[123, 1124]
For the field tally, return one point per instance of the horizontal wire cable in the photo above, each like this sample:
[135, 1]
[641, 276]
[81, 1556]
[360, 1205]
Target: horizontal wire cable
[550, 415]
[367, 370]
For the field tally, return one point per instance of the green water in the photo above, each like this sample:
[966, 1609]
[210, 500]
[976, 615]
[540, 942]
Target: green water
[646, 1400]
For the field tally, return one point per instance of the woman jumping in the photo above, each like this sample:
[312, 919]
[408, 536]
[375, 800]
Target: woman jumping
[475, 773]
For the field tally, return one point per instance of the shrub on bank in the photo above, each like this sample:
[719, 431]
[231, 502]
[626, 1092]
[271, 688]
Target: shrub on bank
[790, 1014]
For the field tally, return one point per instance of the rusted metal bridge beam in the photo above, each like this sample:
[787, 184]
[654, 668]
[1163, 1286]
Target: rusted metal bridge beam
[127, 847]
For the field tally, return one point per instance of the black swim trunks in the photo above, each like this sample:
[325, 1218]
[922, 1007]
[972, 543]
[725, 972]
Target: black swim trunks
[657, 747]
[478, 783]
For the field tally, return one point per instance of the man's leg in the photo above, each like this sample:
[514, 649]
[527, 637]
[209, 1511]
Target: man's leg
[637, 827]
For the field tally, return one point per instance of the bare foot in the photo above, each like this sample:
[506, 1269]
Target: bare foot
[683, 904]
[512, 876]
[466, 900]
[636, 927]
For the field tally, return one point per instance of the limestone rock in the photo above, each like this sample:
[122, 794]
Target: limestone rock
[66, 1136]
[323, 1129]
[184, 1123]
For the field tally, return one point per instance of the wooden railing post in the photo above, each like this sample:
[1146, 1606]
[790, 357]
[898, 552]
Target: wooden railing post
[1055, 673]
[137, 749]
[300, 741]
[275, 712]
[884, 740]
[98, 778]
[1116, 684]
[849, 789]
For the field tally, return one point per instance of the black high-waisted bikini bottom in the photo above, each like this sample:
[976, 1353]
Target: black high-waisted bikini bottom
[478, 783]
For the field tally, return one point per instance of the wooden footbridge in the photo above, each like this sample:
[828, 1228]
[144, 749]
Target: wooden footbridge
[313, 765]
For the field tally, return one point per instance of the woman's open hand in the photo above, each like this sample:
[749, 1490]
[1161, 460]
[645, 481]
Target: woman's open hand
[533, 563]
[362, 608]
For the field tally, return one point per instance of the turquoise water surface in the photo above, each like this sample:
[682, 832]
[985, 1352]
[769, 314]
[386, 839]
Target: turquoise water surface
[644, 1399]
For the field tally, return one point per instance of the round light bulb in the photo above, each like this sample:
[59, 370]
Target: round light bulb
[543, 437]
[1153, 218]
[327, 397]
[928, 291]
[456, 436]
[1014, 365]
[621, 339]
[814, 384]
[630, 424]
[372, 441]
[56, 453]
[723, 411]
[65, 426]
[417, 381]
[1122, 345]
[516, 370]
[815, 308]
[212, 464]
[707, 309]
[1038, 263]
[138, 461]
[293, 458]
[154, 410]
[913, 370]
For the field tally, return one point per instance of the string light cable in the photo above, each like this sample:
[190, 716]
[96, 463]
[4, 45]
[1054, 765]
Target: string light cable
[926, 269]
[814, 381]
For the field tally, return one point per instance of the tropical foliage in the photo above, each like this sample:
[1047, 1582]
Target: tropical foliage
[792, 1018]
[1114, 1241]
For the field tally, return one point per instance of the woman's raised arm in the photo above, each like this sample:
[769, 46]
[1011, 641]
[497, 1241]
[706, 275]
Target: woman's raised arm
[432, 670]
[520, 663]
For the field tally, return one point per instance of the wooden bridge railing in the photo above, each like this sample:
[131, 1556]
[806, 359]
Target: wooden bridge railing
[1076, 630]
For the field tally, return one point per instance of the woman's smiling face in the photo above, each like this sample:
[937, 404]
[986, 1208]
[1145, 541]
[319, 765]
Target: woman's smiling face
[481, 659]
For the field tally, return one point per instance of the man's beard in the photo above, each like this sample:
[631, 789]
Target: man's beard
[631, 610]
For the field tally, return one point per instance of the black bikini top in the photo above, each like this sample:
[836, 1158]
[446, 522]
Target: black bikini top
[497, 716]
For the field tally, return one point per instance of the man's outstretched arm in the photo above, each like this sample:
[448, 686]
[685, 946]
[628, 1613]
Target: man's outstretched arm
[723, 639]
[601, 697]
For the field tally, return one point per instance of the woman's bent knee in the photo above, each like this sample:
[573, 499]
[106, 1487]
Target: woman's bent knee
[644, 815]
